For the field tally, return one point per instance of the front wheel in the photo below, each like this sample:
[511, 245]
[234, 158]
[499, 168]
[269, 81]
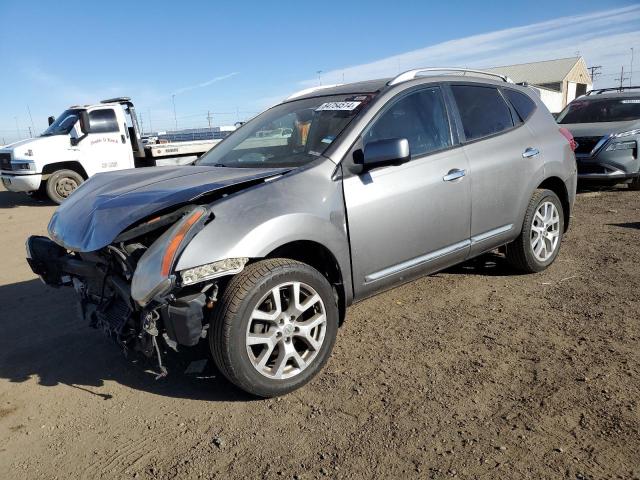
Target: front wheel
[274, 327]
[61, 184]
[539, 242]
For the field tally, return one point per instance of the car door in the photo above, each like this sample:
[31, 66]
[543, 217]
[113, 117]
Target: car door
[504, 160]
[106, 146]
[405, 220]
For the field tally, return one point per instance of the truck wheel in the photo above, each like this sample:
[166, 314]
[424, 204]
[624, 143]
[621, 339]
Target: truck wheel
[61, 183]
[539, 242]
[274, 327]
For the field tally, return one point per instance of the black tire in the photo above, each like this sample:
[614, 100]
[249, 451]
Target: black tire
[227, 333]
[520, 252]
[61, 184]
[635, 184]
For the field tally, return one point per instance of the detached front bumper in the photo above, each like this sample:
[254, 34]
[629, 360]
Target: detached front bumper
[21, 182]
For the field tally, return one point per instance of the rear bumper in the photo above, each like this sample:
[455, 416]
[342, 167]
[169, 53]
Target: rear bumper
[21, 183]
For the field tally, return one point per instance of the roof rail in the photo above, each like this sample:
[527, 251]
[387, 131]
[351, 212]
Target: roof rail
[411, 74]
[598, 91]
[310, 90]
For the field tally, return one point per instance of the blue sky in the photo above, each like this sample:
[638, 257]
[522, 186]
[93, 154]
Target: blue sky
[236, 58]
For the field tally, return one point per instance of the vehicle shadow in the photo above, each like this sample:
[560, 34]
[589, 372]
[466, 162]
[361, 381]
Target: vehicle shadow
[44, 338]
[491, 264]
[18, 199]
[635, 225]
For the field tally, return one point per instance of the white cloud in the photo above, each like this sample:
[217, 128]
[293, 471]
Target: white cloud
[205, 84]
[603, 38]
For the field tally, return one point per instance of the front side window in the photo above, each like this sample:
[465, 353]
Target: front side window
[103, 121]
[420, 117]
[287, 135]
[482, 109]
[601, 110]
[63, 124]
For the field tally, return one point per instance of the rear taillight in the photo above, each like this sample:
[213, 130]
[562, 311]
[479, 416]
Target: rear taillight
[567, 134]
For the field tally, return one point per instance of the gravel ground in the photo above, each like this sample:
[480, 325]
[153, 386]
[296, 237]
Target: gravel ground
[476, 372]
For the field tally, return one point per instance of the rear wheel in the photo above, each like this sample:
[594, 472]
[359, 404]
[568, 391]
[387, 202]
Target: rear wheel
[274, 327]
[539, 242]
[635, 184]
[61, 184]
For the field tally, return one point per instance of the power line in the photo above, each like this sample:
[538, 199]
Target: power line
[621, 78]
[595, 71]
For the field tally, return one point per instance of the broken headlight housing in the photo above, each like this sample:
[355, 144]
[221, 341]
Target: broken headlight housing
[153, 277]
[228, 266]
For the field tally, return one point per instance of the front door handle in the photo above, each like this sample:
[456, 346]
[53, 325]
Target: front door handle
[530, 152]
[454, 174]
[123, 139]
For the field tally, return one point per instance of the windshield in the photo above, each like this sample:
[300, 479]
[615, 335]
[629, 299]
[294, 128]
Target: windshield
[601, 110]
[288, 135]
[63, 124]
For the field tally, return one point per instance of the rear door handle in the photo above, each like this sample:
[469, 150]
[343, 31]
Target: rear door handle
[530, 152]
[454, 174]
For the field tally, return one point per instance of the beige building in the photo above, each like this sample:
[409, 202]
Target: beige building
[558, 81]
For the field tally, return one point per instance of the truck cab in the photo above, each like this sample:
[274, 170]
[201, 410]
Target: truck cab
[80, 142]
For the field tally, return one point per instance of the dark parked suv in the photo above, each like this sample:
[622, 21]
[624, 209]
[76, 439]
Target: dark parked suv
[606, 126]
[332, 196]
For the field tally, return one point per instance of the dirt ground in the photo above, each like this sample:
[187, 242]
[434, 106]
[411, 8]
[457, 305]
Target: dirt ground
[476, 372]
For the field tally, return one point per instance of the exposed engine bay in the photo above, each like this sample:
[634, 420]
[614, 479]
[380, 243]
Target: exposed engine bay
[103, 279]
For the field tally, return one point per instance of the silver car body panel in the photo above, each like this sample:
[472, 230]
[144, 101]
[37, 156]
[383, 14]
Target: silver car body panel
[385, 226]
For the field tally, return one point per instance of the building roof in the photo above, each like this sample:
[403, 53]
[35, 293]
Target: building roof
[537, 73]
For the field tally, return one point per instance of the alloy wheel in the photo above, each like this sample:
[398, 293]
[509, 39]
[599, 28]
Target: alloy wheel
[545, 231]
[286, 330]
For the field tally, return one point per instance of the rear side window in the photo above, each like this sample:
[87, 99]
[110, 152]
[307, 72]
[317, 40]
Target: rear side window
[523, 105]
[103, 121]
[482, 109]
[420, 117]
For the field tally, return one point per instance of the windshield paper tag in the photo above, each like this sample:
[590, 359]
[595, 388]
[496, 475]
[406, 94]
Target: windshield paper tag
[348, 106]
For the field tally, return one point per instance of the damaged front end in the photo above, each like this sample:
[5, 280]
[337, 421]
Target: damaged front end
[130, 288]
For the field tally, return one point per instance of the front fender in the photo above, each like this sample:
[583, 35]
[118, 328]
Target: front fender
[303, 205]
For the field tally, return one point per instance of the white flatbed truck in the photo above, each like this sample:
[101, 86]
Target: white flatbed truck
[85, 140]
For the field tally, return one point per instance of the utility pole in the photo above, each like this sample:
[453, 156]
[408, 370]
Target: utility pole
[594, 71]
[319, 72]
[175, 118]
[141, 124]
[150, 126]
[34, 127]
[209, 117]
[631, 71]
[30, 134]
[622, 78]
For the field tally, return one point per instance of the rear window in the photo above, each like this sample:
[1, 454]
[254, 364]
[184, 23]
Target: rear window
[482, 109]
[594, 110]
[523, 105]
[103, 121]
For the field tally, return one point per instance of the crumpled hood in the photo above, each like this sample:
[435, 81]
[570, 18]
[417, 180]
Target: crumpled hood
[600, 129]
[106, 204]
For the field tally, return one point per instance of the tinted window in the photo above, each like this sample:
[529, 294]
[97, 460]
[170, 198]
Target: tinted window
[521, 102]
[601, 110]
[103, 121]
[420, 117]
[482, 110]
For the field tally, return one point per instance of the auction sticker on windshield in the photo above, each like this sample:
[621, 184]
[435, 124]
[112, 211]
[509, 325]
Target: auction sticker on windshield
[348, 106]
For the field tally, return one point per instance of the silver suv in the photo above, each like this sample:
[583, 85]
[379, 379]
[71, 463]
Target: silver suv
[330, 197]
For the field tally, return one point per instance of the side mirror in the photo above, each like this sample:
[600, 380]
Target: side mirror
[84, 122]
[390, 151]
[51, 119]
